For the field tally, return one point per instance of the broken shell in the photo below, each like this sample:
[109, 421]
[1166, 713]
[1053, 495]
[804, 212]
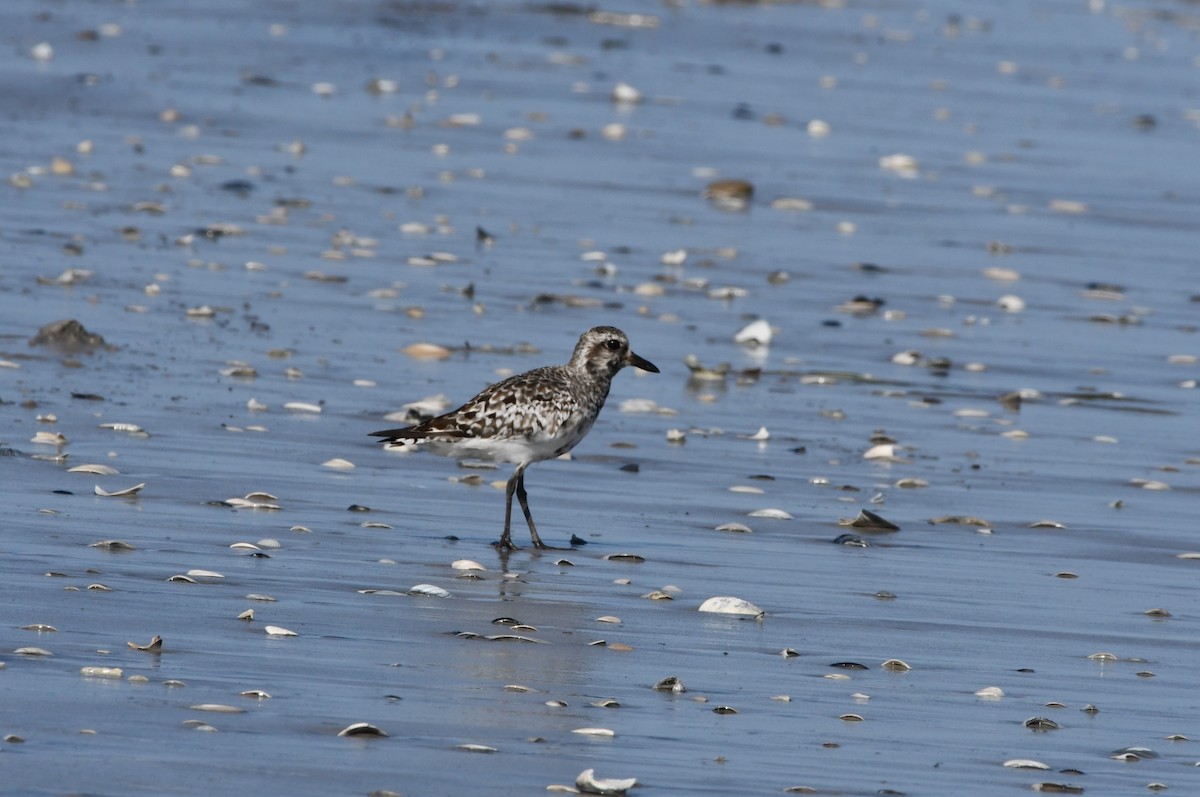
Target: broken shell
[588, 783]
[361, 729]
[724, 604]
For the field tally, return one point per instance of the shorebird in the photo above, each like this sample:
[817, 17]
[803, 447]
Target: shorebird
[527, 418]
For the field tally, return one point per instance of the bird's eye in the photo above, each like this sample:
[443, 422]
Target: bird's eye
[612, 344]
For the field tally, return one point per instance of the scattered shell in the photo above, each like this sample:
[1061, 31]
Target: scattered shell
[724, 604]
[852, 718]
[218, 708]
[112, 545]
[741, 528]
[40, 628]
[1047, 524]
[475, 748]
[361, 729]
[626, 94]
[302, 406]
[724, 710]
[337, 463]
[608, 618]
[1024, 763]
[990, 693]
[153, 646]
[255, 694]
[1041, 724]
[32, 651]
[429, 590]
[101, 672]
[95, 470]
[466, 564]
[275, 630]
[672, 683]
[49, 438]
[426, 351]
[588, 783]
[197, 573]
[134, 490]
[774, 514]
[896, 665]
[756, 332]
[594, 732]
[869, 520]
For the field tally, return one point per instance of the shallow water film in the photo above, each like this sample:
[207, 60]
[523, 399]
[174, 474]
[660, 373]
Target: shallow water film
[921, 279]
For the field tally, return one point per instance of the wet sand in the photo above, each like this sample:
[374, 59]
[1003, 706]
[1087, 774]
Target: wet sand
[241, 233]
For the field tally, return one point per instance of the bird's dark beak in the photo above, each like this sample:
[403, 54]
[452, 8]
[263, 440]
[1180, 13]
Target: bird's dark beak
[638, 362]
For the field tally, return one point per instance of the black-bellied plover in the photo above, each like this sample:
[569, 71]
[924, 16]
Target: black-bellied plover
[529, 417]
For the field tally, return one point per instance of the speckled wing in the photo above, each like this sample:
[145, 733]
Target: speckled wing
[532, 406]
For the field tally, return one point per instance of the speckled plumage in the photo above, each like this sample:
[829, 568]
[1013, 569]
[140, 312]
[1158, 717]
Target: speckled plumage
[529, 417]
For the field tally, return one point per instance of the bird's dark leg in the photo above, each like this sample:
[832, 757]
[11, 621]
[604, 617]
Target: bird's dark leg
[506, 543]
[522, 496]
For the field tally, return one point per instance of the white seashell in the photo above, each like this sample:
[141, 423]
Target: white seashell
[466, 564]
[594, 732]
[475, 748]
[95, 470]
[724, 604]
[132, 428]
[32, 651]
[774, 514]
[42, 51]
[748, 489]
[676, 257]
[756, 332]
[101, 672]
[254, 405]
[302, 406]
[244, 546]
[1010, 303]
[275, 630]
[740, 528]
[905, 165]
[134, 490]
[1024, 763]
[638, 405]
[761, 434]
[625, 93]
[881, 451]
[990, 693]
[608, 618]
[337, 463]
[588, 783]
[49, 438]
[204, 574]
[429, 590]
[9, 364]
[203, 311]
[218, 708]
